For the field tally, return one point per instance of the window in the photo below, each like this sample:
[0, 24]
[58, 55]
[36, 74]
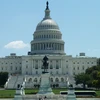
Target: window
[66, 66]
[40, 79]
[56, 61]
[57, 67]
[78, 68]
[36, 72]
[35, 80]
[57, 80]
[62, 79]
[11, 67]
[16, 68]
[2, 68]
[26, 73]
[51, 79]
[74, 68]
[36, 61]
[83, 68]
[73, 62]
[30, 80]
[26, 66]
[36, 67]
[51, 67]
[56, 72]
[73, 73]
[87, 62]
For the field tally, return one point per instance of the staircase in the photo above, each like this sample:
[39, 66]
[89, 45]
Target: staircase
[19, 81]
[14, 81]
[11, 82]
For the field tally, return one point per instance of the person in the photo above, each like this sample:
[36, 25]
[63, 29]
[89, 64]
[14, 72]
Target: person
[39, 98]
[45, 97]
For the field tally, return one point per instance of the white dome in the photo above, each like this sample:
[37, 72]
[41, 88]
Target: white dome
[47, 37]
[47, 24]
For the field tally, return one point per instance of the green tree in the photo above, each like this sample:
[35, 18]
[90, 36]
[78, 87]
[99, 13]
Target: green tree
[82, 78]
[95, 83]
[3, 78]
[94, 73]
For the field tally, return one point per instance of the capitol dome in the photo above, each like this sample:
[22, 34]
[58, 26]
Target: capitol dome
[47, 24]
[47, 38]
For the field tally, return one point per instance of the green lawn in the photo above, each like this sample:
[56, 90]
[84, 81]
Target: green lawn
[10, 93]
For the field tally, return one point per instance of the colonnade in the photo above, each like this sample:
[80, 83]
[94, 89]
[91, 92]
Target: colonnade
[47, 46]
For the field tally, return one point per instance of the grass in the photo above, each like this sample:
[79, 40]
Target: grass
[11, 93]
[98, 93]
[7, 93]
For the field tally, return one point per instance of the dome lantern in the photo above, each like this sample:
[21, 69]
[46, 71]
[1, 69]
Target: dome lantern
[47, 11]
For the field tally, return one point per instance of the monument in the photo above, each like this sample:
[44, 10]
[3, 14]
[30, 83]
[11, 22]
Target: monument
[45, 88]
[20, 93]
[71, 94]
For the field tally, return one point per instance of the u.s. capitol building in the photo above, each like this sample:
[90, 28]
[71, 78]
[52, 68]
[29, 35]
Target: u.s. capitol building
[47, 40]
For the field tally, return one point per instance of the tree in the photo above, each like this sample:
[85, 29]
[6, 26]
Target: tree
[82, 78]
[94, 73]
[3, 78]
[95, 83]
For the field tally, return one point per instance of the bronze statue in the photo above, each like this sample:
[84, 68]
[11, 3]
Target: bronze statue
[47, 5]
[45, 64]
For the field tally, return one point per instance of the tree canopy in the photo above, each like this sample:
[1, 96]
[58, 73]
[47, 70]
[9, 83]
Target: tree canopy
[3, 78]
[91, 77]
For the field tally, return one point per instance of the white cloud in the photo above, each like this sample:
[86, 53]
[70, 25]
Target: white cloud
[16, 45]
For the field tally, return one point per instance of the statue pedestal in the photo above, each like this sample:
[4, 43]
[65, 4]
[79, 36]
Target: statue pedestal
[71, 94]
[45, 88]
[19, 94]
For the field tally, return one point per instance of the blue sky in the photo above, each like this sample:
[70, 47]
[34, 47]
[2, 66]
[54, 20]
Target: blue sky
[79, 22]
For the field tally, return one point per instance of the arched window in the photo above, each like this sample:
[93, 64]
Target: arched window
[62, 79]
[51, 79]
[57, 80]
[35, 80]
[30, 80]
